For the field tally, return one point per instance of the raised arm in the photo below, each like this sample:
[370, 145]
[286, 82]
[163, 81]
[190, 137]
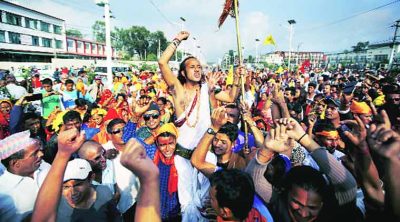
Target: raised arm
[231, 96]
[341, 179]
[198, 160]
[166, 71]
[47, 202]
[135, 159]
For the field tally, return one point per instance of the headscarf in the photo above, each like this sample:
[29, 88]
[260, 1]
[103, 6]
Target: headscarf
[98, 111]
[173, 173]
[360, 108]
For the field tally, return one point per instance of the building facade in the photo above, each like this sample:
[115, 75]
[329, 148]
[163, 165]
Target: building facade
[296, 58]
[28, 35]
[376, 55]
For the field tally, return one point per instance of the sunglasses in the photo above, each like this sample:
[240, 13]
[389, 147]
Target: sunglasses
[117, 131]
[147, 117]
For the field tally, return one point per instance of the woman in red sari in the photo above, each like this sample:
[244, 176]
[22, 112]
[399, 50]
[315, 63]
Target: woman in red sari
[5, 109]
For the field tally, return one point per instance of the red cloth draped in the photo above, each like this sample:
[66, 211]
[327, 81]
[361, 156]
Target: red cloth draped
[173, 174]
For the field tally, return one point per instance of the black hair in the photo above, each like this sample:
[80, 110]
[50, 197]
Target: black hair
[113, 123]
[276, 172]
[163, 100]
[182, 68]
[69, 81]
[292, 90]
[71, 115]
[234, 190]
[324, 126]
[47, 81]
[231, 130]
[29, 115]
[121, 94]
[307, 178]
[81, 102]
[16, 156]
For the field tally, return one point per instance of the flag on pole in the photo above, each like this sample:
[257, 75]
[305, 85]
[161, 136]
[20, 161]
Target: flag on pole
[228, 10]
[229, 77]
[269, 40]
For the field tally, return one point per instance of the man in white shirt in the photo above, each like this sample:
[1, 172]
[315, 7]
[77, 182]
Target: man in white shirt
[24, 174]
[127, 182]
[15, 91]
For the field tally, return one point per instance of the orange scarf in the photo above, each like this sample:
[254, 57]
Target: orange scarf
[173, 174]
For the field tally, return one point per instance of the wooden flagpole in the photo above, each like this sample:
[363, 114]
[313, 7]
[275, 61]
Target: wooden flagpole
[239, 45]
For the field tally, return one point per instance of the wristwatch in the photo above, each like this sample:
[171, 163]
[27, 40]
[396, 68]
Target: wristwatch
[211, 131]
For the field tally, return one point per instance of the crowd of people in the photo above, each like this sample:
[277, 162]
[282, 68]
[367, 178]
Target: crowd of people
[297, 146]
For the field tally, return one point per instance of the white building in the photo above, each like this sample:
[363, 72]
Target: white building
[296, 58]
[374, 56]
[26, 34]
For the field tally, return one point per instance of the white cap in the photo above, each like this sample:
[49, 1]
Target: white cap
[77, 169]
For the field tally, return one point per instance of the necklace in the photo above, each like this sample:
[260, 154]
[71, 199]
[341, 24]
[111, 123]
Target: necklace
[197, 99]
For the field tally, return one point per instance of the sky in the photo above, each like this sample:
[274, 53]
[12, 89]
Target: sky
[321, 25]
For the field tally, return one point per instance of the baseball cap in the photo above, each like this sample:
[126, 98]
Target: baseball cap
[97, 78]
[349, 87]
[330, 100]
[77, 169]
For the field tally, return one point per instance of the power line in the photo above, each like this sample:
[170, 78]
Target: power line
[352, 16]
[161, 13]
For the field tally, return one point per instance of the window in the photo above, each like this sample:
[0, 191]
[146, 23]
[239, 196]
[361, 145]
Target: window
[35, 41]
[44, 26]
[2, 36]
[46, 42]
[79, 45]
[59, 44]
[31, 23]
[1, 16]
[70, 43]
[57, 29]
[87, 47]
[14, 38]
[13, 19]
[380, 58]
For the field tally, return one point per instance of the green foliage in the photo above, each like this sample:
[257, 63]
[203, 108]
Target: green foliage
[99, 30]
[361, 46]
[74, 33]
[151, 57]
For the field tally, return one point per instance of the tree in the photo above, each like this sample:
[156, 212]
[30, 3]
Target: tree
[99, 31]
[74, 33]
[361, 46]
[154, 39]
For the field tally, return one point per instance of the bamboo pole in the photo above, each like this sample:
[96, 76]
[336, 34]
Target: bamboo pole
[239, 45]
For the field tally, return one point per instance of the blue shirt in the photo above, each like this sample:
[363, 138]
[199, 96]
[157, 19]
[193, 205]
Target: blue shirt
[170, 206]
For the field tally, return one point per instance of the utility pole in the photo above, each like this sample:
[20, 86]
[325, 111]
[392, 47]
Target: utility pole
[106, 5]
[393, 44]
[291, 23]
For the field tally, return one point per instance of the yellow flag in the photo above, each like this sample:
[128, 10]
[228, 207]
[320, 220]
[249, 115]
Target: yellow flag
[280, 70]
[229, 78]
[269, 40]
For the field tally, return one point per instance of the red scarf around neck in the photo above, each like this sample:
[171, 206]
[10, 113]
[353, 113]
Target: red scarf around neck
[173, 174]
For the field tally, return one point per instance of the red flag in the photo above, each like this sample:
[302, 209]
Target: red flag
[229, 9]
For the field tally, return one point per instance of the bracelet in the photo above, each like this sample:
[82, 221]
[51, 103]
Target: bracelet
[176, 42]
[301, 137]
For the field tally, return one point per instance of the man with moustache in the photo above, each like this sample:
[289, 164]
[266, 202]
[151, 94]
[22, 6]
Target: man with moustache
[19, 185]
